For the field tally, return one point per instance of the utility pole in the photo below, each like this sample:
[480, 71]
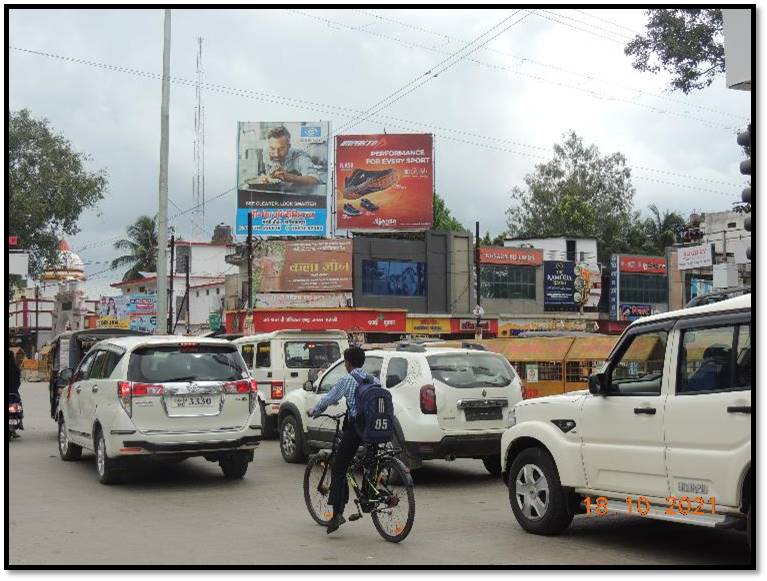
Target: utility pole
[170, 282]
[162, 214]
[477, 273]
[188, 293]
[37, 318]
[250, 260]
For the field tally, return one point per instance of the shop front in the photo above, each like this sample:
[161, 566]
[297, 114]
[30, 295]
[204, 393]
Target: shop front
[450, 327]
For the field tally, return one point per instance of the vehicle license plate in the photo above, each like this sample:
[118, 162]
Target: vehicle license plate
[191, 401]
[475, 414]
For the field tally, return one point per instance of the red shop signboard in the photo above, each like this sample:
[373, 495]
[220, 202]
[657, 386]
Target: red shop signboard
[352, 320]
[470, 326]
[643, 264]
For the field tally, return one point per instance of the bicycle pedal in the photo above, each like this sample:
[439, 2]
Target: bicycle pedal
[353, 517]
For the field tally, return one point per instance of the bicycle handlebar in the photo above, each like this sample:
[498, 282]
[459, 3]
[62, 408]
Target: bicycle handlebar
[335, 417]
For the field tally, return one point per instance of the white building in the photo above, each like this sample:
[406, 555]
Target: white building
[560, 248]
[726, 229]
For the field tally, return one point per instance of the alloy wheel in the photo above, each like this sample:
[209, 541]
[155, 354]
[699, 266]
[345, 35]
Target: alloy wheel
[289, 438]
[532, 492]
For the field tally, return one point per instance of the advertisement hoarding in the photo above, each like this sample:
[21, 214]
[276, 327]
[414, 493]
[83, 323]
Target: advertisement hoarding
[700, 286]
[695, 257]
[302, 265]
[511, 256]
[570, 286]
[137, 312]
[351, 321]
[384, 182]
[302, 300]
[428, 325]
[642, 264]
[614, 287]
[632, 312]
[282, 178]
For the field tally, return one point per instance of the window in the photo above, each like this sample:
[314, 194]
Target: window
[639, 368]
[197, 293]
[97, 367]
[84, 369]
[109, 361]
[643, 288]
[396, 371]
[218, 291]
[207, 292]
[264, 354]
[579, 371]
[393, 278]
[732, 224]
[247, 354]
[570, 248]
[477, 370]
[372, 366]
[715, 359]
[176, 363]
[142, 289]
[549, 371]
[507, 282]
[310, 354]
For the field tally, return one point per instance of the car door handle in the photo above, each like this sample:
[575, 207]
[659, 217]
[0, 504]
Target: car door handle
[647, 411]
[95, 389]
[78, 389]
[294, 374]
[739, 409]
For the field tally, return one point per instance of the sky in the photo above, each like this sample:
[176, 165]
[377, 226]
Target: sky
[495, 113]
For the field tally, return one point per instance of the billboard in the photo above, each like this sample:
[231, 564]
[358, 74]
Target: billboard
[137, 312]
[384, 182]
[282, 178]
[695, 257]
[642, 264]
[349, 320]
[633, 311]
[513, 256]
[302, 265]
[570, 286]
[302, 300]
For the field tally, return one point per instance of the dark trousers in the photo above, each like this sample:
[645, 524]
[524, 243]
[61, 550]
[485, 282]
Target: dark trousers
[339, 488]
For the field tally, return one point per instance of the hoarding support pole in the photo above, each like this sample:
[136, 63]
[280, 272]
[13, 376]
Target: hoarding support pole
[170, 283]
[250, 260]
[188, 292]
[162, 214]
[478, 331]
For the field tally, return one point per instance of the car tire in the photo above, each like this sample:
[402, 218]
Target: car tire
[268, 425]
[105, 466]
[292, 441]
[537, 498]
[493, 464]
[68, 451]
[235, 466]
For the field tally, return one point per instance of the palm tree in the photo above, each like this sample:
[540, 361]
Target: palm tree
[142, 246]
[662, 229]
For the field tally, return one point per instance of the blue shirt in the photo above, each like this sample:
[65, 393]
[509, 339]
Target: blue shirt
[344, 387]
[297, 162]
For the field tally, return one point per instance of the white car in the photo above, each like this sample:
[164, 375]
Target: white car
[448, 403]
[162, 396]
[664, 431]
[282, 361]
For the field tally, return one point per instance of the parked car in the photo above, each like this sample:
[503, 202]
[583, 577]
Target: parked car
[162, 396]
[664, 430]
[716, 296]
[282, 361]
[69, 348]
[448, 403]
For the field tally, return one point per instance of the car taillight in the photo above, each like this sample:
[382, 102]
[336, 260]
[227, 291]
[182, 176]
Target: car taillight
[241, 386]
[146, 389]
[253, 394]
[124, 395]
[278, 389]
[127, 390]
[528, 393]
[428, 400]
[14, 408]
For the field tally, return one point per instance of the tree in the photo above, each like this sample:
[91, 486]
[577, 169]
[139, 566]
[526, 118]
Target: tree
[662, 230]
[142, 246]
[579, 193]
[688, 43]
[443, 219]
[49, 188]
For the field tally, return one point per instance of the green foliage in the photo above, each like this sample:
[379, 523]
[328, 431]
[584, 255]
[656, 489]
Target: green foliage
[579, 193]
[141, 244]
[443, 219]
[48, 187]
[662, 230]
[688, 43]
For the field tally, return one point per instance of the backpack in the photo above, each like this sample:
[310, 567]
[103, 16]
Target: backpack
[375, 412]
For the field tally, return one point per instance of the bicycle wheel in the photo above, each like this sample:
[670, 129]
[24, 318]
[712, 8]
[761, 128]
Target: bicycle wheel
[394, 513]
[316, 497]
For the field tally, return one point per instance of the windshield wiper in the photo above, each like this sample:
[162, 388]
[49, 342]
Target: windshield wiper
[178, 379]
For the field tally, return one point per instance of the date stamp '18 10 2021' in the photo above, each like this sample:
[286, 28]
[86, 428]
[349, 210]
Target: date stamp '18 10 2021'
[641, 505]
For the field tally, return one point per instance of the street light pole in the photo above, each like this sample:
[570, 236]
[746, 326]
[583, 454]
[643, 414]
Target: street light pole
[162, 214]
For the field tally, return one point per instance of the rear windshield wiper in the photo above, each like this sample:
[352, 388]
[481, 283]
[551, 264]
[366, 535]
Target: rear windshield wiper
[175, 379]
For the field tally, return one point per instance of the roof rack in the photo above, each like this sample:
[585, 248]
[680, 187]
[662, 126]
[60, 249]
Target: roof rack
[412, 347]
[475, 346]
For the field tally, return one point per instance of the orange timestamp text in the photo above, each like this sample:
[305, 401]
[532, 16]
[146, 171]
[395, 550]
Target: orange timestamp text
[683, 505]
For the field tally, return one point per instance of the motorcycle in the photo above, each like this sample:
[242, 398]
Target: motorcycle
[15, 415]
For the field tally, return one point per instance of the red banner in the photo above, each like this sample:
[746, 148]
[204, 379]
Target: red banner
[384, 182]
[470, 326]
[643, 264]
[350, 320]
[515, 256]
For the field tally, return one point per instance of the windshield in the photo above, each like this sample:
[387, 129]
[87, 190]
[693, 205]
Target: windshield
[171, 363]
[311, 354]
[475, 370]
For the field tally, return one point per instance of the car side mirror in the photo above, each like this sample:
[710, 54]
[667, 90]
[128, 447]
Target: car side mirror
[64, 377]
[313, 374]
[598, 384]
[308, 386]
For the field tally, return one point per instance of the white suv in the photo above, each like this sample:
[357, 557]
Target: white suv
[664, 431]
[448, 403]
[160, 395]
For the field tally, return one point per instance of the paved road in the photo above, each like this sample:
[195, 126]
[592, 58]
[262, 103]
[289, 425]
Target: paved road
[187, 514]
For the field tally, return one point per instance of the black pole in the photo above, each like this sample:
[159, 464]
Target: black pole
[169, 324]
[37, 317]
[478, 332]
[250, 260]
[188, 292]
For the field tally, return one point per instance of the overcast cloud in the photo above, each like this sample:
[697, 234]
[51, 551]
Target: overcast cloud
[531, 84]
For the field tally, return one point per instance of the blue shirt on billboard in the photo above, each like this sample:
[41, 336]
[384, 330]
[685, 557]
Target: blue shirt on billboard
[297, 161]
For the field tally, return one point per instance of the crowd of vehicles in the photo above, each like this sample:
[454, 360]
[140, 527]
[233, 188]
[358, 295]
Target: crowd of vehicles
[638, 441]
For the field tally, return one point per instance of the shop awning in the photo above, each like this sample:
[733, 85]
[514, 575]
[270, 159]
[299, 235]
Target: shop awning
[531, 348]
[595, 348]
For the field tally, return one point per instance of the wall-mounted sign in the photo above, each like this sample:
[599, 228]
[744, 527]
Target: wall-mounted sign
[642, 264]
[512, 256]
[694, 257]
[614, 289]
[632, 312]
[428, 325]
[531, 372]
[350, 320]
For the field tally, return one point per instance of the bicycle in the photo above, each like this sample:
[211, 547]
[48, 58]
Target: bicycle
[376, 493]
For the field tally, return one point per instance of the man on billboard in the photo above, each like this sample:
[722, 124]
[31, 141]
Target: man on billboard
[287, 164]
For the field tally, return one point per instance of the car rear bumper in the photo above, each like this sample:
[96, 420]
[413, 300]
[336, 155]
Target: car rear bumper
[456, 446]
[245, 442]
